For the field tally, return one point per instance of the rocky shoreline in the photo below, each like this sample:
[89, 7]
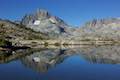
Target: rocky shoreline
[37, 43]
[24, 44]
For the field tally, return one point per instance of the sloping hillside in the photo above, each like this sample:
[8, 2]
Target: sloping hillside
[11, 30]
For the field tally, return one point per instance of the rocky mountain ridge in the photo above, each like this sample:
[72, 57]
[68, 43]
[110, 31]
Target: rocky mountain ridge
[43, 21]
[11, 31]
[103, 29]
[43, 25]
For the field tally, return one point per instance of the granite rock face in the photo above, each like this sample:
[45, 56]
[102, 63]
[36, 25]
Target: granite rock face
[42, 21]
[43, 25]
[11, 31]
[104, 29]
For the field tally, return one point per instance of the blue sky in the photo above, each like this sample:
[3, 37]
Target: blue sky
[74, 12]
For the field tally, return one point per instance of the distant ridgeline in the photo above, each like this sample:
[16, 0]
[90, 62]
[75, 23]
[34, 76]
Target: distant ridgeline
[41, 25]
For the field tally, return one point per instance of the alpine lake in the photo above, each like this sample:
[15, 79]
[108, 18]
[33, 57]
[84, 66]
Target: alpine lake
[80, 62]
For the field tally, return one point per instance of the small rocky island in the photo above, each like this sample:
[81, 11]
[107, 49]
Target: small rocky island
[42, 28]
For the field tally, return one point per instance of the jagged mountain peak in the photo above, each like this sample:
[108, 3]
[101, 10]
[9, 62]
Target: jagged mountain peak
[43, 21]
[42, 13]
[105, 29]
[105, 21]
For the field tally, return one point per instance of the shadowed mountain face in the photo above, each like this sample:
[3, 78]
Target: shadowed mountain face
[42, 60]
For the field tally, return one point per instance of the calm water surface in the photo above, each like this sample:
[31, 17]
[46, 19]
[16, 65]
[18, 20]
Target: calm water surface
[83, 63]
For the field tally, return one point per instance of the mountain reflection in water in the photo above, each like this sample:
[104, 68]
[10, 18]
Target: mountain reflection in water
[49, 58]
